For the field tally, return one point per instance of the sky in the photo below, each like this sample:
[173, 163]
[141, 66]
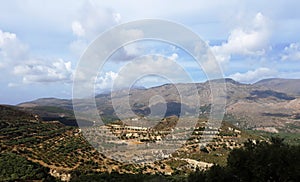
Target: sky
[41, 42]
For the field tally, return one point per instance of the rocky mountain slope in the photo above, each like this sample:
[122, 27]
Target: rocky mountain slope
[32, 149]
[289, 86]
[271, 103]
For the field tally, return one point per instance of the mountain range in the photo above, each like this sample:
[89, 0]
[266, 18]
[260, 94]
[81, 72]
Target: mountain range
[270, 104]
[37, 143]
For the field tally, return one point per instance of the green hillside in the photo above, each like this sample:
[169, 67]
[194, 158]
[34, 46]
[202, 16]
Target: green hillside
[32, 149]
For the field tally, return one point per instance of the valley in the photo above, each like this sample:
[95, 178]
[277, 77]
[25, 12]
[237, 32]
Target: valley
[44, 133]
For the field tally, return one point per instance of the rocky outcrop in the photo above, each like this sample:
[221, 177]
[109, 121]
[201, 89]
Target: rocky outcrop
[63, 176]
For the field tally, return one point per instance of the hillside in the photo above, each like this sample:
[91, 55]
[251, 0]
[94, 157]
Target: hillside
[55, 150]
[289, 86]
[263, 105]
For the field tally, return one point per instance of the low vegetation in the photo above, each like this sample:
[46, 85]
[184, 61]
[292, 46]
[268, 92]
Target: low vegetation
[30, 149]
[263, 161]
[14, 167]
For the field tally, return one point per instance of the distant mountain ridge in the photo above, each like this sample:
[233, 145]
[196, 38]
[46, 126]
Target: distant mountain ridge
[289, 86]
[252, 105]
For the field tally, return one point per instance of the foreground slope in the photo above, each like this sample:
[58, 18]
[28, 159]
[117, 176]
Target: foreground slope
[53, 149]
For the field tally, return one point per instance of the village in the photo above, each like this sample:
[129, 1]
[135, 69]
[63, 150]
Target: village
[140, 144]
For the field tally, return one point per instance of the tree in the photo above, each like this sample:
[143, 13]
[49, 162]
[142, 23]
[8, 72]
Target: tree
[14, 167]
[256, 161]
[265, 161]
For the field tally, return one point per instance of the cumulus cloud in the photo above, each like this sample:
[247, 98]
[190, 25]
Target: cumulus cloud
[41, 71]
[15, 57]
[6, 36]
[78, 29]
[254, 75]
[92, 20]
[245, 40]
[174, 56]
[152, 69]
[105, 81]
[11, 48]
[291, 52]
[155, 66]
[129, 51]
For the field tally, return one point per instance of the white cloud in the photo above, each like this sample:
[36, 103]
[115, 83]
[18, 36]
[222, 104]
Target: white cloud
[11, 48]
[105, 82]
[125, 52]
[16, 59]
[174, 56]
[43, 71]
[291, 52]
[253, 76]
[6, 36]
[156, 68]
[129, 51]
[117, 17]
[13, 84]
[92, 20]
[153, 66]
[78, 29]
[245, 40]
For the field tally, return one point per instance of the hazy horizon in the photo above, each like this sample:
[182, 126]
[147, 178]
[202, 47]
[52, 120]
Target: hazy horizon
[103, 92]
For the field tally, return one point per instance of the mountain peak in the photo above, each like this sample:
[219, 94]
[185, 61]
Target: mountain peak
[224, 80]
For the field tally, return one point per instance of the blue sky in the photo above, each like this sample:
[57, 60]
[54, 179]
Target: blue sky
[41, 41]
